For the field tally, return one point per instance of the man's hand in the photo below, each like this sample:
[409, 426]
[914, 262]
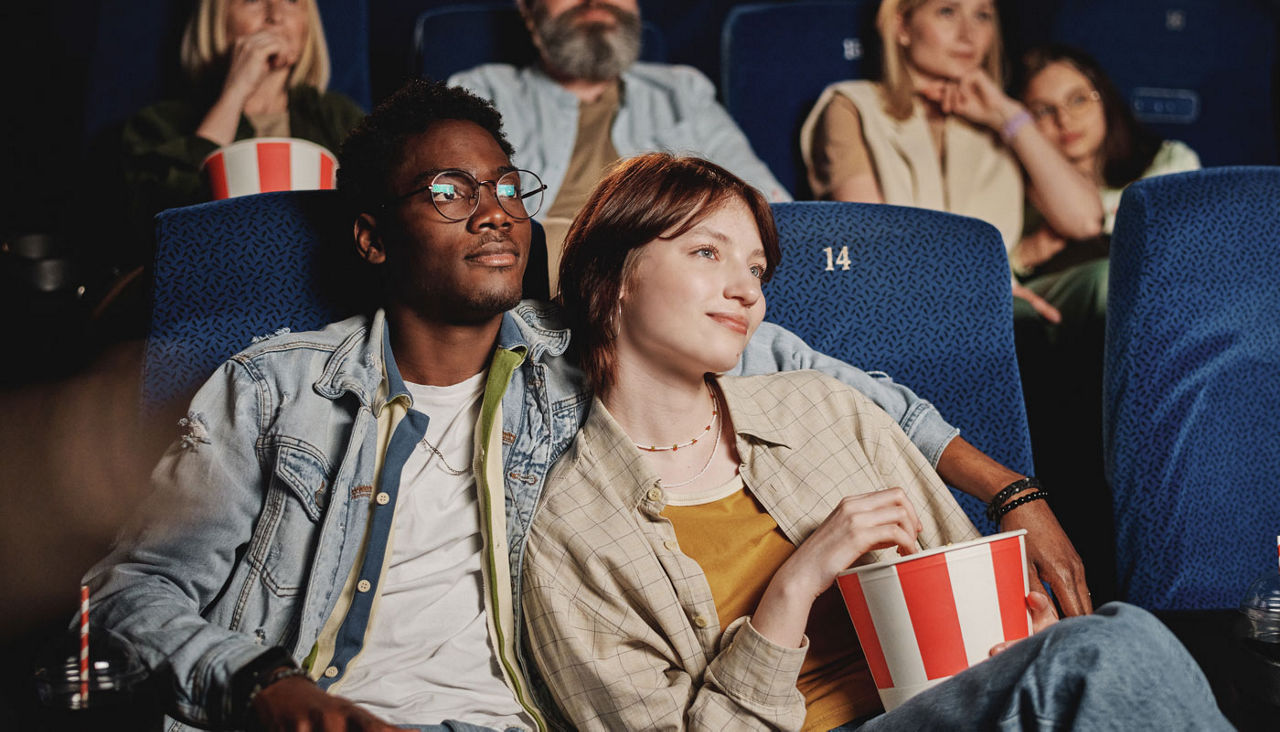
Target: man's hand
[1042, 616]
[1050, 553]
[296, 704]
[1051, 556]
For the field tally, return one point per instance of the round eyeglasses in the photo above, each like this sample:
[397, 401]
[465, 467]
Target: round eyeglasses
[1073, 107]
[456, 193]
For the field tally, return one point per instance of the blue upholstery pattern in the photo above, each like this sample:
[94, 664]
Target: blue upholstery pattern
[777, 59]
[493, 33]
[228, 271]
[1192, 386]
[1200, 71]
[921, 295]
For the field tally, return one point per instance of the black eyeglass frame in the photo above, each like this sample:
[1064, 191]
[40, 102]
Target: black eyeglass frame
[475, 200]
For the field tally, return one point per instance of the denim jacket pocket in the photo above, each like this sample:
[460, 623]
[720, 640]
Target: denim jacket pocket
[567, 415]
[296, 501]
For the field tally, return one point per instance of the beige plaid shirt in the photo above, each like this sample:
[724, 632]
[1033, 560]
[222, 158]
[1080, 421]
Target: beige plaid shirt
[622, 624]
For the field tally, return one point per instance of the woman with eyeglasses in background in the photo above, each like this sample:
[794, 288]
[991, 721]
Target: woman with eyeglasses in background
[1077, 108]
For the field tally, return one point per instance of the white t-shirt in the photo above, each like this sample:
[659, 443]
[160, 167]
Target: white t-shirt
[427, 655]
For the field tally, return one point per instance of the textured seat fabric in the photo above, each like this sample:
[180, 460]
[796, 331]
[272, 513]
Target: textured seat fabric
[455, 38]
[229, 271]
[777, 59]
[1200, 71]
[920, 295]
[1192, 386]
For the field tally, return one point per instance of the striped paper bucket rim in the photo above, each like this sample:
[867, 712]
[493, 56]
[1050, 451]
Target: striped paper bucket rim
[255, 140]
[935, 550]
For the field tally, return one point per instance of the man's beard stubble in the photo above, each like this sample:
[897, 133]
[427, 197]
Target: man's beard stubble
[592, 52]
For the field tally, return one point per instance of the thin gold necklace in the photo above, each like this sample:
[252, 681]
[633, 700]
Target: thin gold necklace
[672, 448]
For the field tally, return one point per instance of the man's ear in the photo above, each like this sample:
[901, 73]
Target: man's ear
[369, 240]
[526, 13]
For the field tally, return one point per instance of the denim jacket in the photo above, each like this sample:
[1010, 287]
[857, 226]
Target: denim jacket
[262, 506]
[662, 107]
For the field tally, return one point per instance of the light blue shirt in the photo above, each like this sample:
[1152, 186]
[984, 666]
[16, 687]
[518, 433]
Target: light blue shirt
[661, 108]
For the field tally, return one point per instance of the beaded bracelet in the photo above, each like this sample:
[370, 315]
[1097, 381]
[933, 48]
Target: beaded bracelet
[1037, 496]
[1010, 129]
[1017, 486]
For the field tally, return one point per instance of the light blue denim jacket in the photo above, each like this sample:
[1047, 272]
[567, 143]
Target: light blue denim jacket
[661, 108]
[260, 507]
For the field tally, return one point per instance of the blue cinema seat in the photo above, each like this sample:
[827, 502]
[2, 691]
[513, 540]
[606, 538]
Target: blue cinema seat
[1200, 71]
[1192, 386]
[229, 271]
[455, 38]
[776, 60]
[920, 295]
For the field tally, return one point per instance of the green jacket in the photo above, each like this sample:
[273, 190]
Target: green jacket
[162, 154]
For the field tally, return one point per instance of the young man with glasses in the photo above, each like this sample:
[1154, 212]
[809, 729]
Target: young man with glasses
[337, 535]
[329, 541]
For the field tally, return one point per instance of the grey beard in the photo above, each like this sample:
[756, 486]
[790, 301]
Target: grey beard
[590, 53]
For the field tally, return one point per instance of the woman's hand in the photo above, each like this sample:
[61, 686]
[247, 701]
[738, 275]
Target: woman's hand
[253, 58]
[257, 60]
[1042, 616]
[857, 525]
[1039, 304]
[977, 98]
[1038, 247]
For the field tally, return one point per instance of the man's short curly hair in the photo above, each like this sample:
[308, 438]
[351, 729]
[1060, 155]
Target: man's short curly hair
[376, 146]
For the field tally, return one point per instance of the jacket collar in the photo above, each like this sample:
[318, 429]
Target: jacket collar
[363, 364]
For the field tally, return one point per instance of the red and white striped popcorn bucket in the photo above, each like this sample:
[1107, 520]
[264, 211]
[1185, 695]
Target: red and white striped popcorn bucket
[926, 617]
[264, 164]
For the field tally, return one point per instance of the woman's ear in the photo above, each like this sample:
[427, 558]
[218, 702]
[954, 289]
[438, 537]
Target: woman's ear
[900, 30]
[368, 240]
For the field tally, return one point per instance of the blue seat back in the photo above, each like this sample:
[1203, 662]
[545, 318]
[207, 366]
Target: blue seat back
[455, 38]
[134, 60]
[920, 295]
[1200, 71]
[1192, 386]
[229, 271]
[777, 59]
[346, 31]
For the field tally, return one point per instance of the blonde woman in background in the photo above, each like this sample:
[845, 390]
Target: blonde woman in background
[258, 68]
[938, 131]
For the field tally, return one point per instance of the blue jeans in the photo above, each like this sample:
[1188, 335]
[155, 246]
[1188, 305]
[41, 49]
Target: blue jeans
[1118, 669]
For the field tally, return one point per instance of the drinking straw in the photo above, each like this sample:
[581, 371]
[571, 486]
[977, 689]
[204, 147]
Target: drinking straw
[84, 646]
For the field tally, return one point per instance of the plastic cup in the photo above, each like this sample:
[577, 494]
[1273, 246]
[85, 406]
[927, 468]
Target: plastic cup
[265, 164]
[923, 618]
[115, 672]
